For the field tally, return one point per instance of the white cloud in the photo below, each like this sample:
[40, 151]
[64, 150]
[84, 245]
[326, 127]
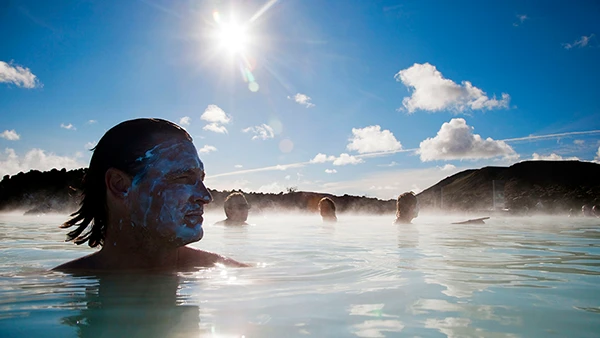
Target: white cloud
[391, 164]
[238, 166]
[288, 177]
[17, 75]
[552, 157]
[10, 135]
[521, 18]
[216, 118]
[214, 114]
[302, 99]
[448, 167]
[215, 127]
[578, 142]
[11, 163]
[90, 145]
[456, 141]
[345, 159]
[432, 92]
[584, 41]
[322, 158]
[262, 132]
[597, 159]
[372, 139]
[68, 126]
[207, 149]
[185, 121]
[330, 171]
[92, 121]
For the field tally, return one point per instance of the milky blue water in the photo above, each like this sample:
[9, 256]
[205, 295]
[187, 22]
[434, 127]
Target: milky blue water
[362, 277]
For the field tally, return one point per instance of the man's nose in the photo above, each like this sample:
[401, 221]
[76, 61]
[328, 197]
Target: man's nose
[202, 194]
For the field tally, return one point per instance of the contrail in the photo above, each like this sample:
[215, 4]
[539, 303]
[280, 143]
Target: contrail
[274, 167]
[549, 136]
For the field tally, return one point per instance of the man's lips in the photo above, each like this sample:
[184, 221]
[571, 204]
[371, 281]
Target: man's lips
[195, 217]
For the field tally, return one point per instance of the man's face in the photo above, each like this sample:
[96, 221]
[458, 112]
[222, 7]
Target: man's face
[167, 197]
[237, 210]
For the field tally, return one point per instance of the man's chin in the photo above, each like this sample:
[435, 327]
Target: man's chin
[186, 235]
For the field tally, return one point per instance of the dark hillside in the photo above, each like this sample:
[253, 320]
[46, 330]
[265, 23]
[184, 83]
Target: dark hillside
[551, 186]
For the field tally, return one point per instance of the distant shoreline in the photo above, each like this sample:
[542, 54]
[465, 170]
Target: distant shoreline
[530, 187]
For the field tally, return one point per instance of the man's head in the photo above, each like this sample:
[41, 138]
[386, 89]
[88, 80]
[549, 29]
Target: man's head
[407, 207]
[236, 208]
[586, 210]
[327, 209]
[145, 177]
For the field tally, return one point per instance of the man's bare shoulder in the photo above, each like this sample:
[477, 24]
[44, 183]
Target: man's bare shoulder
[88, 262]
[194, 257]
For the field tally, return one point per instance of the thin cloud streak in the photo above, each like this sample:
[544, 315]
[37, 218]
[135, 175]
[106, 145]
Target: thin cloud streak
[274, 167]
[550, 136]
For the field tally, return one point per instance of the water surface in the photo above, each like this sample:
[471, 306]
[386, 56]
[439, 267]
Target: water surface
[364, 276]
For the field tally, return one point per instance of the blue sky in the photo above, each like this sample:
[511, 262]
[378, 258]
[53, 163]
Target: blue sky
[360, 97]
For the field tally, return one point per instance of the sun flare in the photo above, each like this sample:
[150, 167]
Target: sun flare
[231, 35]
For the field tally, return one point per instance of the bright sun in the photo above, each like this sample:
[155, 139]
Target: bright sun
[232, 37]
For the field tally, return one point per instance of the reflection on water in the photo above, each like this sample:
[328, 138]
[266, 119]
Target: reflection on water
[134, 306]
[363, 276]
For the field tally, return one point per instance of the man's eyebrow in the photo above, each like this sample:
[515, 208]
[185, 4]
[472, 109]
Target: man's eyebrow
[181, 171]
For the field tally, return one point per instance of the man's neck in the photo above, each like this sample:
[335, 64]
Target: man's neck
[127, 248]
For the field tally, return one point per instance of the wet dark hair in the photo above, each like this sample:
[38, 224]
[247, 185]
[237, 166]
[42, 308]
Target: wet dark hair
[405, 202]
[119, 148]
[327, 200]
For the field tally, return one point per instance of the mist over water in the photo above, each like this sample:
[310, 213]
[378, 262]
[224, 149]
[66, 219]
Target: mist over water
[362, 276]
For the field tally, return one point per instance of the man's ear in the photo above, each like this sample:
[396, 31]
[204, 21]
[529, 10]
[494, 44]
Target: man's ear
[117, 183]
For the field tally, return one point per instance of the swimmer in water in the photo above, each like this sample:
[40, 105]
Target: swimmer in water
[586, 211]
[407, 208]
[236, 210]
[327, 210]
[143, 201]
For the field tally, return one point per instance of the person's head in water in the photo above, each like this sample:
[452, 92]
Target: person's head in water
[586, 210]
[236, 209]
[327, 209]
[596, 210]
[407, 207]
[144, 178]
[143, 199]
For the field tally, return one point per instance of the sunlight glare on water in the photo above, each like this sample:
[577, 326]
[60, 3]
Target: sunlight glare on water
[364, 276]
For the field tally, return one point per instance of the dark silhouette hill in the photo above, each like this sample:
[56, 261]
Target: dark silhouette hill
[59, 191]
[548, 186]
